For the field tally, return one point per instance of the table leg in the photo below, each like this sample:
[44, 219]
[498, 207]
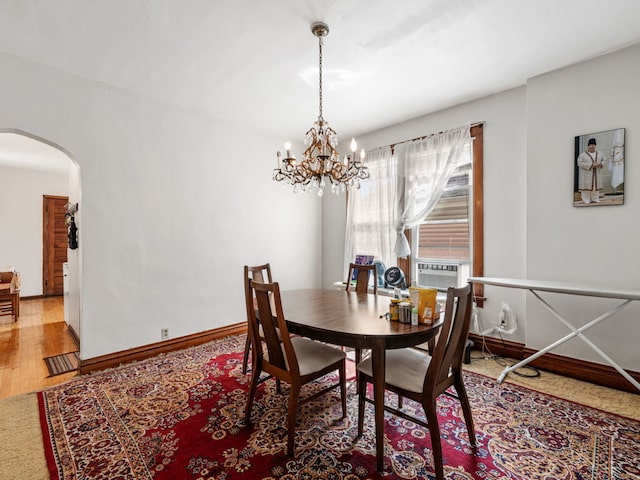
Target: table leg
[378, 370]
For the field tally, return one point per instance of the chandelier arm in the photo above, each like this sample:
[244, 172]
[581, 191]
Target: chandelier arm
[308, 153]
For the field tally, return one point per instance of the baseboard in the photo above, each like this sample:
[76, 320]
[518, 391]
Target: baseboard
[74, 336]
[582, 370]
[597, 373]
[32, 297]
[146, 351]
[496, 346]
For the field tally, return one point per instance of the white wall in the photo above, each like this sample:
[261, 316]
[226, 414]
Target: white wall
[173, 205]
[532, 229]
[594, 245]
[72, 300]
[21, 192]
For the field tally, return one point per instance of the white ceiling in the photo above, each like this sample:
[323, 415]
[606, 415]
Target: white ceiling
[254, 62]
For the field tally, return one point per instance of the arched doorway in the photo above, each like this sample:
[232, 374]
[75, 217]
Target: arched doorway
[32, 169]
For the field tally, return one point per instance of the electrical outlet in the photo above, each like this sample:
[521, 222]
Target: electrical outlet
[164, 333]
[502, 320]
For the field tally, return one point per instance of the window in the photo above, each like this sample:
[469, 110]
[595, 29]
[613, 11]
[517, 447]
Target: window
[370, 212]
[452, 231]
[444, 233]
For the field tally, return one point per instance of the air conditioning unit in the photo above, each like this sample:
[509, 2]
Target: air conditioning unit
[442, 275]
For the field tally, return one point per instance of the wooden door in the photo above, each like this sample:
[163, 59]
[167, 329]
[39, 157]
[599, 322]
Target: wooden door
[55, 241]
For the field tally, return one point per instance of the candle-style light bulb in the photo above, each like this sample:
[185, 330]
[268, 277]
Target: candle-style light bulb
[354, 145]
[362, 154]
[287, 147]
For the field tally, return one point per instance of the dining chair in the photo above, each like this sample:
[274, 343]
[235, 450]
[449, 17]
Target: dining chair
[362, 273]
[414, 374]
[294, 360]
[257, 273]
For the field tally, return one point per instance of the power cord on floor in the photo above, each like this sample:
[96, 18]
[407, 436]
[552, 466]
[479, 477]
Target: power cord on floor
[502, 361]
[534, 372]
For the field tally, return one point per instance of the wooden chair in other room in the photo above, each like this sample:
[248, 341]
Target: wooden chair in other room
[363, 274]
[257, 273]
[414, 374]
[9, 305]
[295, 360]
[9, 296]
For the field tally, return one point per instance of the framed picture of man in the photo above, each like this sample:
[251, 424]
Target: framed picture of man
[599, 169]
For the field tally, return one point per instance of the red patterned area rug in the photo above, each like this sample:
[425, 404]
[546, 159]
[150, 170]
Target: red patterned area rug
[180, 416]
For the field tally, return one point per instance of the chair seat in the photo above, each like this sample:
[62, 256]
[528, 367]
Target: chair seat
[404, 368]
[314, 356]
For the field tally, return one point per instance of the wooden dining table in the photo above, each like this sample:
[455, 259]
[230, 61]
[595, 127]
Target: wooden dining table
[358, 321]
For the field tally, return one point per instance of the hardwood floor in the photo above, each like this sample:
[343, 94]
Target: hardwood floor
[39, 332]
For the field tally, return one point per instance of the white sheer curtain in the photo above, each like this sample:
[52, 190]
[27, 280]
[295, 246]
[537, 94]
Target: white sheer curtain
[424, 169]
[371, 211]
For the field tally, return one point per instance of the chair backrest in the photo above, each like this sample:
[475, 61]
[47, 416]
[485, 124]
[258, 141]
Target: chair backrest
[448, 353]
[363, 274]
[257, 273]
[6, 277]
[280, 352]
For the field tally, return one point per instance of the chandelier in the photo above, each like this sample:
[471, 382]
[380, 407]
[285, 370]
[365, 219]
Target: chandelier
[321, 162]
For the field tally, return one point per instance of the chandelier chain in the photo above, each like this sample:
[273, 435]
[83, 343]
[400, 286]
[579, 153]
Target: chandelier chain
[320, 75]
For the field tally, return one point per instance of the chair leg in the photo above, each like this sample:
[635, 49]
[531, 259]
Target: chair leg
[434, 432]
[294, 395]
[247, 349]
[358, 355]
[400, 397]
[342, 371]
[466, 409]
[255, 376]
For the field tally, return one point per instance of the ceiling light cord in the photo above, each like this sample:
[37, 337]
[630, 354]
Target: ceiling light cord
[320, 75]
